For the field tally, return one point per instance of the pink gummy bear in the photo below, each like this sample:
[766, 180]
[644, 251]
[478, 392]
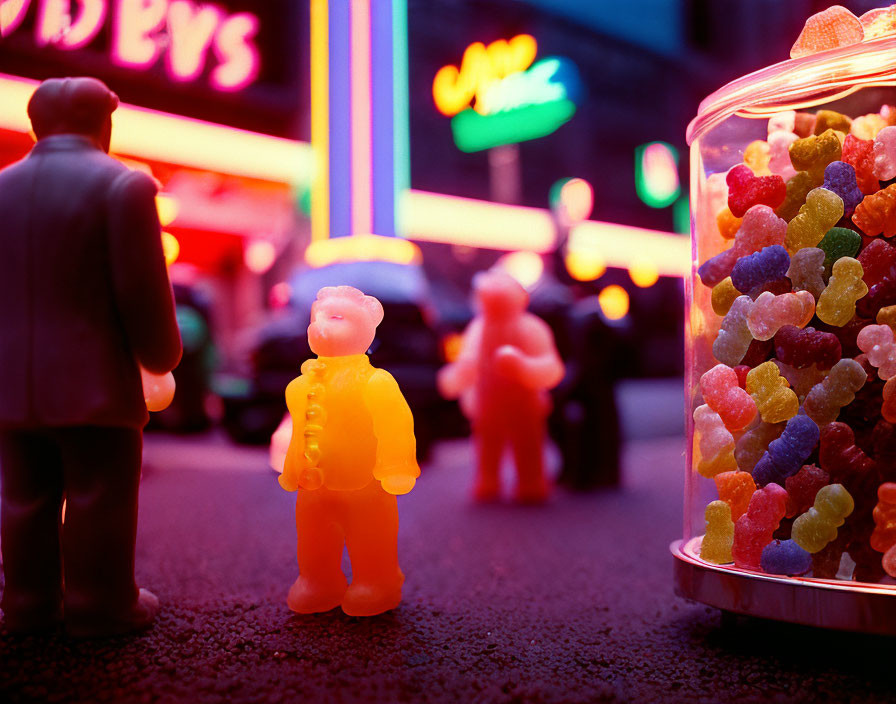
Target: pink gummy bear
[829, 29]
[760, 228]
[878, 343]
[755, 529]
[779, 153]
[724, 395]
[716, 444]
[770, 313]
[885, 154]
[506, 364]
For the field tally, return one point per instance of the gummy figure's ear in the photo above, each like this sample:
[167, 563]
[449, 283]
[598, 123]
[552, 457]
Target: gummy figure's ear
[374, 309]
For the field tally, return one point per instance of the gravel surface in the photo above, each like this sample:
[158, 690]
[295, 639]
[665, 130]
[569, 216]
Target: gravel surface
[570, 602]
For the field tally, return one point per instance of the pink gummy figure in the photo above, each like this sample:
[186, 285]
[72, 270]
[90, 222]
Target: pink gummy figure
[779, 153]
[724, 395]
[829, 29]
[734, 336]
[760, 228]
[755, 529]
[770, 313]
[885, 154]
[506, 365]
[714, 442]
[782, 122]
[878, 343]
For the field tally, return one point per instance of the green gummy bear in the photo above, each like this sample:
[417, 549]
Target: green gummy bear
[839, 242]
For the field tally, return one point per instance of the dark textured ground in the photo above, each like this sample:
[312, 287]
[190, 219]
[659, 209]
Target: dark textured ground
[566, 603]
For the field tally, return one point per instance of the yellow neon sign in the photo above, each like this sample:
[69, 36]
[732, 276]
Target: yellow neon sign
[454, 89]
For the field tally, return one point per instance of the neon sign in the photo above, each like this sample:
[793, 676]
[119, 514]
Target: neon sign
[185, 32]
[501, 95]
[656, 174]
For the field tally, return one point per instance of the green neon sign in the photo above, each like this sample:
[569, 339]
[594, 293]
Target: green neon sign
[656, 174]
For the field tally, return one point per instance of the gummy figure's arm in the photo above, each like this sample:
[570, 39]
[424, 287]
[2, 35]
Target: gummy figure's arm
[296, 401]
[139, 278]
[396, 454]
[453, 379]
[536, 363]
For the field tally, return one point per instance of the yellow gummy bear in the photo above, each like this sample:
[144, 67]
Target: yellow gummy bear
[716, 545]
[818, 526]
[756, 156]
[723, 295]
[837, 303]
[821, 211]
[815, 152]
[774, 398]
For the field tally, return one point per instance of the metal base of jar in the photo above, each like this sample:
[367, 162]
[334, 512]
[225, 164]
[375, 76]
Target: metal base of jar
[849, 606]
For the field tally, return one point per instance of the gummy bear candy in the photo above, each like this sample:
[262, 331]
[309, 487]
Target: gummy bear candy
[837, 303]
[806, 270]
[867, 126]
[804, 124]
[775, 400]
[877, 341]
[824, 401]
[786, 455]
[884, 536]
[716, 269]
[888, 408]
[878, 260]
[840, 178]
[752, 445]
[779, 153]
[735, 489]
[716, 444]
[829, 29]
[879, 22]
[746, 190]
[877, 213]
[839, 242]
[830, 119]
[880, 295]
[802, 488]
[859, 153]
[758, 352]
[798, 187]
[734, 336]
[887, 316]
[770, 312]
[885, 154]
[756, 156]
[727, 223]
[722, 394]
[846, 462]
[821, 211]
[716, 545]
[784, 121]
[723, 296]
[785, 557]
[814, 153]
[768, 264]
[846, 333]
[801, 380]
[818, 526]
[759, 228]
[803, 348]
[754, 530]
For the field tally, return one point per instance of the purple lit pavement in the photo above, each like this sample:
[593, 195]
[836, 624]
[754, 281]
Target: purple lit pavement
[571, 602]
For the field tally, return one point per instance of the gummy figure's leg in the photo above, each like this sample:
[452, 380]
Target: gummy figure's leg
[490, 441]
[372, 538]
[102, 478]
[527, 436]
[321, 583]
[29, 530]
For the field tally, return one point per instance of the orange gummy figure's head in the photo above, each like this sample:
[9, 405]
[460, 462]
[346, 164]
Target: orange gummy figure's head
[498, 294]
[343, 321]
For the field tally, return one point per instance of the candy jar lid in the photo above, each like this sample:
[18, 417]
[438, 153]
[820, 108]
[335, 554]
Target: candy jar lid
[800, 82]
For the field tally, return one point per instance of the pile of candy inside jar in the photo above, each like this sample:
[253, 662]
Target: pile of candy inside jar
[796, 425]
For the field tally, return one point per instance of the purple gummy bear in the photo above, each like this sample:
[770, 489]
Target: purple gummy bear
[714, 270]
[840, 178]
[786, 455]
[768, 264]
[785, 557]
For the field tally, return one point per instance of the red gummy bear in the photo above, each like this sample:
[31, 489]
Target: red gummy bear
[803, 348]
[755, 529]
[746, 190]
[847, 464]
[802, 488]
[859, 153]
[878, 260]
[758, 352]
[742, 370]
[879, 296]
[847, 334]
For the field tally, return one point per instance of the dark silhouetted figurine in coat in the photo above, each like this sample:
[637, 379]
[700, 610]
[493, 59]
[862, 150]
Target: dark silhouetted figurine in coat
[84, 302]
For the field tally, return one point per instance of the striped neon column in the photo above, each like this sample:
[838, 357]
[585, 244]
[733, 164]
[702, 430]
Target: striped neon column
[359, 115]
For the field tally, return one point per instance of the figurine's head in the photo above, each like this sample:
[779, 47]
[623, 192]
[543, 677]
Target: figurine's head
[343, 321]
[498, 294]
[81, 106]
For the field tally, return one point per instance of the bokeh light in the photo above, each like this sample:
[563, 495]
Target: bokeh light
[525, 267]
[613, 302]
[643, 273]
[585, 265]
[170, 248]
[259, 256]
[656, 174]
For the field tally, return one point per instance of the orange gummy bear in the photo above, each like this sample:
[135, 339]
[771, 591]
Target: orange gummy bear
[829, 29]
[728, 223]
[352, 451]
[735, 489]
[876, 213]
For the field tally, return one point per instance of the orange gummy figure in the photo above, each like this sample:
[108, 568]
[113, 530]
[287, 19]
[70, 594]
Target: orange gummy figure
[506, 364]
[352, 451]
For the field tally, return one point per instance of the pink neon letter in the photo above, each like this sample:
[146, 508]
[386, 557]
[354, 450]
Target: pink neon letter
[237, 52]
[190, 29]
[12, 12]
[135, 23]
[55, 24]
